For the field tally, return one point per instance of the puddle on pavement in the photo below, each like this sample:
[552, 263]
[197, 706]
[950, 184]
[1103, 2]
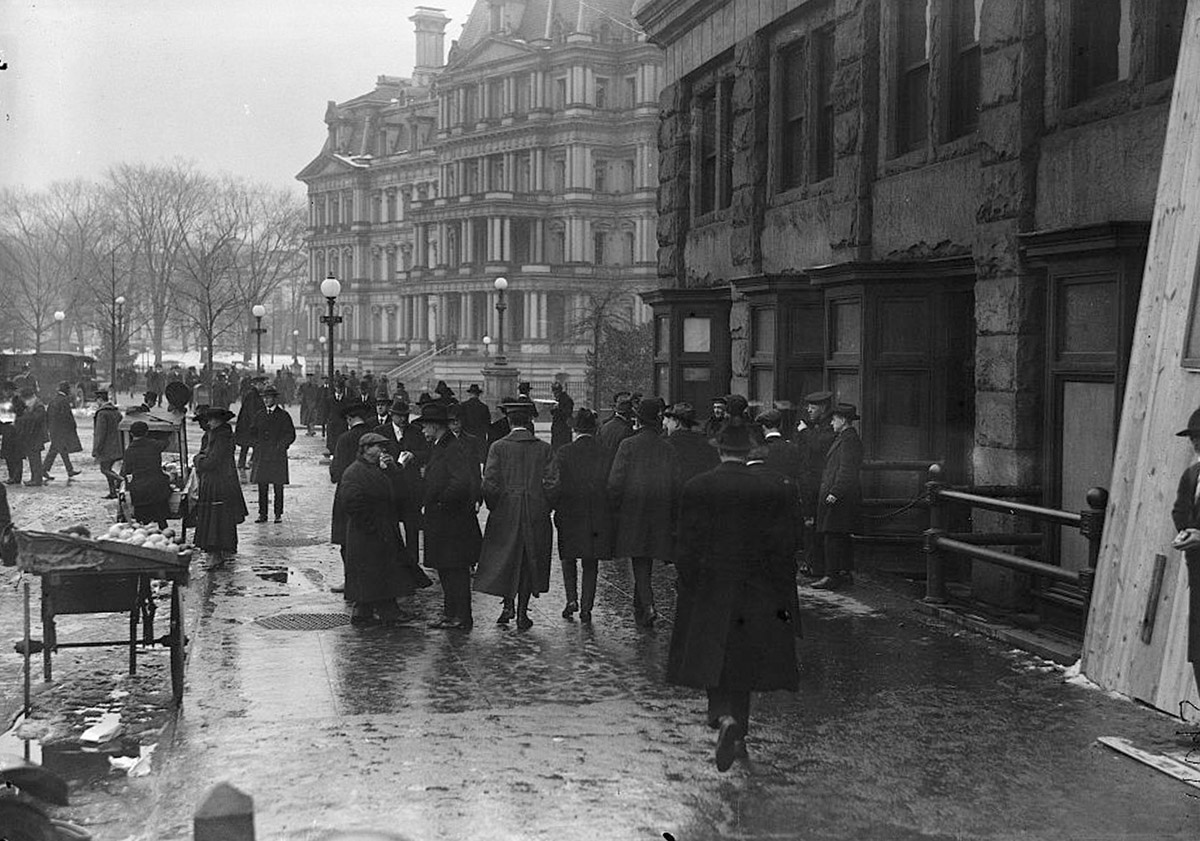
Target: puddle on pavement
[74, 762]
[272, 572]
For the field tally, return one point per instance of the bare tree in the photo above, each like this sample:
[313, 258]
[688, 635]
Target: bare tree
[33, 282]
[617, 359]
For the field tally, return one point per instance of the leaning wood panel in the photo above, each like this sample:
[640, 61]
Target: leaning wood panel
[1159, 396]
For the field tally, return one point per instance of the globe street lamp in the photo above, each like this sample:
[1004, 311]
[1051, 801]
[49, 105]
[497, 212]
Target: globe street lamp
[258, 311]
[330, 288]
[500, 285]
[295, 341]
[59, 315]
[487, 343]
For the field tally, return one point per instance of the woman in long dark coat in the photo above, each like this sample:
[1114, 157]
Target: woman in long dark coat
[450, 523]
[221, 506]
[378, 569]
[514, 562]
[577, 488]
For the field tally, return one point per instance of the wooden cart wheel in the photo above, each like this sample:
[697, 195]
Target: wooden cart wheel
[178, 642]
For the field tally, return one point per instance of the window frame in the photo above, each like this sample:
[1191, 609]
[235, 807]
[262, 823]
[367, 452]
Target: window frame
[712, 144]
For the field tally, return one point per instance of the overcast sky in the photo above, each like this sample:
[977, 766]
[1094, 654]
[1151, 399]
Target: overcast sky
[238, 86]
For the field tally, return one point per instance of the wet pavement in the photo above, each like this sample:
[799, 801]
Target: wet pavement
[904, 728]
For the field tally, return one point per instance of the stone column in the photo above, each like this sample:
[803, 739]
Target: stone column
[505, 239]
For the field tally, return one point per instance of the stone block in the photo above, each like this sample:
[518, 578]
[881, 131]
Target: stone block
[1008, 362]
[845, 134]
[1011, 305]
[847, 87]
[1001, 23]
[1007, 419]
[1000, 76]
[668, 264]
[996, 253]
[1005, 466]
[1003, 192]
[225, 814]
[843, 224]
[1000, 135]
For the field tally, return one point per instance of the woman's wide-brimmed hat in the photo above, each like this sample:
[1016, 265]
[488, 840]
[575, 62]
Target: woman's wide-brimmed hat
[1193, 427]
[219, 414]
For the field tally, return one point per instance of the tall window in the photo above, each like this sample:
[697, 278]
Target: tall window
[497, 16]
[471, 176]
[823, 70]
[792, 107]
[496, 172]
[630, 91]
[560, 93]
[1170, 30]
[496, 99]
[599, 239]
[601, 94]
[630, 248]
[715, 164]
[627, 182]
[470, 104]
[600, 177]
[524, 169]
[1095, 46]
[558, 170]
[558, 245]
[964, 69]
[912, 95]
[523, 87]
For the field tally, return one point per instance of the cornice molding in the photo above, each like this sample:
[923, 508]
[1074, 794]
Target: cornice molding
[664, 21]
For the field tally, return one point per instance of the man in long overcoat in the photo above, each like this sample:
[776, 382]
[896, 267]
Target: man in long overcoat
[337, 401]
[643, 487]
[30, 429]
[106, 440]
[518, 539]
[578, 490]
[273, 432]
[378, 569]
[839, 499]
[60, 426]
[309, 392]
[812, 443]
[406, 482]
[221, 506]
[252, 404]
[734, 628]
[560, 417]
[452, 537]
[475, 416]
[345, 451]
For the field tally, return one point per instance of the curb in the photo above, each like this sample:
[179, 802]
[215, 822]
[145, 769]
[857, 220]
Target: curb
[1062, 652]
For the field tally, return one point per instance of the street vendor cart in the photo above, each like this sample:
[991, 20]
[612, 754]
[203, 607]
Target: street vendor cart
[84, 575]
[166, 425]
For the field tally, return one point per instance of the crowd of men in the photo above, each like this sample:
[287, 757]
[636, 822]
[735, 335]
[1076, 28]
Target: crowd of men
[732, 505]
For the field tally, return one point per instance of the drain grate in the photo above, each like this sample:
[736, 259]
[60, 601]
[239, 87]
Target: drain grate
[303, 621]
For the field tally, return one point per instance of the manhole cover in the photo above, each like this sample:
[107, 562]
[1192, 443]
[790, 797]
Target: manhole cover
[303, 621]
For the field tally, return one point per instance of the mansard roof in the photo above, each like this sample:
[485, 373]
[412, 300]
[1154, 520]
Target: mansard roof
[534, 20]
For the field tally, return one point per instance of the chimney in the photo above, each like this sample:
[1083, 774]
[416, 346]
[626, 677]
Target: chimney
[430, 26]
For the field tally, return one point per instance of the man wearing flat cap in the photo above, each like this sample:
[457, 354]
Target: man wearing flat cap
[273, 432]
[813, 439]
[839, 499]
[643, 487]
[1185, 513]
[735, 621]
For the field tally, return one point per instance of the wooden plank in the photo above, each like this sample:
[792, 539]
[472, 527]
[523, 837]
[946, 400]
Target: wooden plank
[1182, 771]
[1156, 584]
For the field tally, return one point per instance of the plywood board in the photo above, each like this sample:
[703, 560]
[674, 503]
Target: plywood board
[1185, 772]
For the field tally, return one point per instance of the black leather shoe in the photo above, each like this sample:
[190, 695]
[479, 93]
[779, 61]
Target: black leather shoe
[32, 484]
[73, 473]
[727, 741]
[109, 496]
[506, 616]
[279, 519]
[261, 520]
[48, 478]
[338, 588]
[523, 621]
[571, 609]
[585, 616]
[12, 481]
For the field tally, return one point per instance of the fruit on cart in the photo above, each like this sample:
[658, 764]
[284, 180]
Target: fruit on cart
[150, 537]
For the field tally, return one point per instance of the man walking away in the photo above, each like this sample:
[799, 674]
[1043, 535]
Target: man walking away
[273, 433]
[252, 404]
[64, 436]
[560, 417]
[643, 488]
[696, 454]
[734, 629]
[106, 441]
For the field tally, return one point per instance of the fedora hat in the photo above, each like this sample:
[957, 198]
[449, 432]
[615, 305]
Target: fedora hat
[398, 407]
[359, 410]
[474, 388]
[585, 421]
[272, 390]
[846, 410]
[734, 437]
[201, 412]
[433, 412]
[649, 409]
[1193, 427]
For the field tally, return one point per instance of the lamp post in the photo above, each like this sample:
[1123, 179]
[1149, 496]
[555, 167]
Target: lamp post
[59, 315]
[487, 345]
[258, 311]
[500, 285]
[295, 342]
[330, 288]
[118, 304]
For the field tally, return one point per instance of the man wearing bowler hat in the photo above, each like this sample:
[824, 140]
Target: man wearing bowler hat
[813, 439]
[1186, 515]
[272, 432]
[839, 499]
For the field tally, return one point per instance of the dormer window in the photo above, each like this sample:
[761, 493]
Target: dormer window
[497, 10]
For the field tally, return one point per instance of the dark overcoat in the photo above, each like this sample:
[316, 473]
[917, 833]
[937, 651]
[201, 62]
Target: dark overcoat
[335, 421]
[12, 447]
[452, 536]
[31, 428]
[643, 488]
[60, 425]
[252, 404]
[378, 566]
[615, 430]
[476, 417]
[560, 421]
[345, 450]
[578, 491]
[1185, 513]
[221, 506]
[106, 436]
[149, 486]
[273, 433]
[406, 481]
[518, 540]
[812, 444]
[734, 625]
[696, 455]
[309, 394]
[840, 478]
[783, 457]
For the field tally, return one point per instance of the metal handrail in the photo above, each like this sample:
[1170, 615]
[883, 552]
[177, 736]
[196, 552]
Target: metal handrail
[406, 368]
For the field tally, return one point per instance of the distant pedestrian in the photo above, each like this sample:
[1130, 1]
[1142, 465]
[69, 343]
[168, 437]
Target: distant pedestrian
[452, 537]
[734, 630]
[643, 488]
[378, 569]
[345, 451]
[252, 404]
[308, 393]
[839, 499]
[30, 427]
[149, 487]
[619, 427]
[106, 441]
[696, 453]
[221, 506]
[814, 436]
[560, 416]
[476, 417]
[578, 491]
[63, 433]
[273, 433]
[514, 562]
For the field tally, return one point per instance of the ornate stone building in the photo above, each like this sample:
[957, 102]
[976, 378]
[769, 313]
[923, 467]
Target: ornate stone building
[529, 154]
[939, 209]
